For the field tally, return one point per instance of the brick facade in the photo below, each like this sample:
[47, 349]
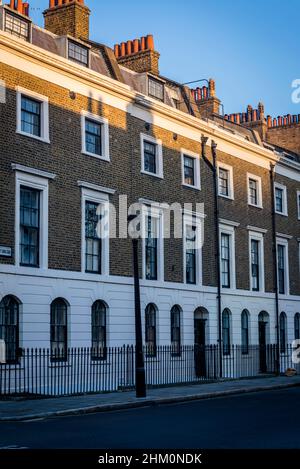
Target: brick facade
[72, 89]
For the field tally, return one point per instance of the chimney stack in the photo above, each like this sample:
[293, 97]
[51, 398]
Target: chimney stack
[19, 7]
[68, 17]
[206, 100]
[139, 55]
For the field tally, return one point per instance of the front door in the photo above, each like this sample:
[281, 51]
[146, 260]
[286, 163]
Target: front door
[262, 347]
[200, 358]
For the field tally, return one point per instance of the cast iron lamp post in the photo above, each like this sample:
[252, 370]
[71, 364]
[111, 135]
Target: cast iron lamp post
[140, 380]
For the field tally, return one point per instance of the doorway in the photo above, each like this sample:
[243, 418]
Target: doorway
[262, 337]
[200, 332]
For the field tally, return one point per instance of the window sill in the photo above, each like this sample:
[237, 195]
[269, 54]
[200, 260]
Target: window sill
[193, 285]
[154, 283]
[228, 289]
[188, 186]
[33, 267]
[40, 139]
[255, 206]
[158, 176]
[99, 157]
[283, 214]
[228, 197]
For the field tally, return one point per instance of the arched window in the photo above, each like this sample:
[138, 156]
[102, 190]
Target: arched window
[245, 332]
[59, 330]
[226, 331]
[98, 331]
[175, 330]
[9, 327]
[297, 326]
[150, 330]
[282, 332]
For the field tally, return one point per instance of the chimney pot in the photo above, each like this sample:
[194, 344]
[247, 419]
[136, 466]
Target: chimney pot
[136, 46]
[143, 43]
[212, 88]
[127, 55]
[129, 47]
[150, 42]
[269, 121]
[117, 50]
[123, 49]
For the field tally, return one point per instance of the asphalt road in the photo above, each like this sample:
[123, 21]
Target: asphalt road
[261, 420]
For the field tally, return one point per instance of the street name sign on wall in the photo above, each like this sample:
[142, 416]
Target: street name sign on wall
[5, 251]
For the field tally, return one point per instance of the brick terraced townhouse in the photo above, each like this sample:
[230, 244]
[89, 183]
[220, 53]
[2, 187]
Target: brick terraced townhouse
[83, 124]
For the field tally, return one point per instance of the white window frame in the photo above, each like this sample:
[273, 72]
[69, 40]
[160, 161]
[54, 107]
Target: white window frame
[257, 179]
[44, 100]
[158, 214]
[161, 82]
[40, 183]
[193, 220]
[298, 204]
[284, 242]
[196, 158]
[79, 44]
[105, 156]
[257, 236]
[284, 200]
[12, 13]
[101, 198]
[230, 180]
[229, 230]
[159, 156]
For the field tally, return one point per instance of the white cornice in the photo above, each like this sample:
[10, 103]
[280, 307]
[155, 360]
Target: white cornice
[257, 229]
[284, 236]
[94, 187]
[37, 54]
[229, 222]
[34, 171]
[133, 100]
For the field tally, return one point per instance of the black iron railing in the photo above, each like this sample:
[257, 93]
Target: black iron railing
[40, 372]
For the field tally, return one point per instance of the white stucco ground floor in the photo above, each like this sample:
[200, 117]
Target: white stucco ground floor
[31, 368]
[35, 290]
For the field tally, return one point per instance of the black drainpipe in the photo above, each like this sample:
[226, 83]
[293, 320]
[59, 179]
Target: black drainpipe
[272, 177]
[213, 167]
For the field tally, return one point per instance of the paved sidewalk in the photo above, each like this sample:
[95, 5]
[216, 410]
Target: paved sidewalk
[43, 408]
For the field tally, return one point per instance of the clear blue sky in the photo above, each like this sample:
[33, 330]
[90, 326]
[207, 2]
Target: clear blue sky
[249, 47]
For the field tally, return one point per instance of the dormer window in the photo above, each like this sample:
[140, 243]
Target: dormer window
[156, 89]
[17, 26]
[78, 53]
